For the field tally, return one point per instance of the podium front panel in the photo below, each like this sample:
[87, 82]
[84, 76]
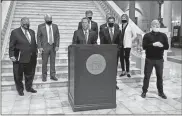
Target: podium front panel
[94, 83]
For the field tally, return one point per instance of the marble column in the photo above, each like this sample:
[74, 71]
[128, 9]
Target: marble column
[132, 10]
[167, 14]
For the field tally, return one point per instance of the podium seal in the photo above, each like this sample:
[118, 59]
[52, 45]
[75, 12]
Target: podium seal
[96, 64]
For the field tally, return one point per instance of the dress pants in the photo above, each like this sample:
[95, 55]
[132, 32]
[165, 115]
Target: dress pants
[28, 69]
[124, 54]
[149, 64]
[48, 51]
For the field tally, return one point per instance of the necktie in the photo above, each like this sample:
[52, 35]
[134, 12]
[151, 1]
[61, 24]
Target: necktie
[50, 36]
[111, 34]
[26, 34]
[86, 36]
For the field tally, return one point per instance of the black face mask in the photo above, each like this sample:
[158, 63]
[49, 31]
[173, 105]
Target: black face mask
[111, 24]
[124, 21]
[49, 22]
[90, 18]
[26, 26]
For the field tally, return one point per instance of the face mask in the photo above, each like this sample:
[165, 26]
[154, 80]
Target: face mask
[26, 26]
[90, 18]
[49, 22]
[111, 24]
[155, 29]
[124, 21]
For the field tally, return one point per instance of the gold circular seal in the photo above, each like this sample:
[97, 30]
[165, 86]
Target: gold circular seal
[96, 64]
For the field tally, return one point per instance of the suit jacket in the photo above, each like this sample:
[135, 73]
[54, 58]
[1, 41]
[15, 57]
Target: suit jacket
[42, 39]
[105, 36]
[79, 37]
[104, 26]
[19, 46]
[94, 27]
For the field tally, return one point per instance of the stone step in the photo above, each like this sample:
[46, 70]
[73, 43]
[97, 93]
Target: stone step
[37, 84]
[57, 55]
[7, 61]
[8, 85]
[61, 8]
[55, 3]
[58, 66]
[135, 78]
[55, 14]
[59, 74]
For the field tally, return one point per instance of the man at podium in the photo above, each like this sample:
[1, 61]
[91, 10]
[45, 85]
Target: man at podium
[84, 35]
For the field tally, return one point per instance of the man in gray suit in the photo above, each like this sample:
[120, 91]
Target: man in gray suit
[48, 43]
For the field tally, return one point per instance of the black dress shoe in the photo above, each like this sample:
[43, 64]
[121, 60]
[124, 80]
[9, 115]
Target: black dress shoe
[44, 79]
[117, 87]
[162, 95]
[54, 78]
[143, 95]
[123, 73]
[32, 90]
[21, 93]
[128, 75]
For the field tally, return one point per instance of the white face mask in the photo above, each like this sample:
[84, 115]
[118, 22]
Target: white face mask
[155, 29]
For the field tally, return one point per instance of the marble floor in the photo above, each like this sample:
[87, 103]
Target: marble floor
[55, 100]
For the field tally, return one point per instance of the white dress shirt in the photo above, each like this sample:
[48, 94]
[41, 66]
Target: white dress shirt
[27, 33]
[47, 28]
[129, 36]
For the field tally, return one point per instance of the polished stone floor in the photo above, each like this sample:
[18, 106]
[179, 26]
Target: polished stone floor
[55, 100]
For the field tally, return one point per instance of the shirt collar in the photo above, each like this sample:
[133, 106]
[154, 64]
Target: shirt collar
[23, 29]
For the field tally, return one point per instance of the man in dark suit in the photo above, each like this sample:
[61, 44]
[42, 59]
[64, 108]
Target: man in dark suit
[23, 54]
[84, 35]
[105, 25]
[110, 34]
[92, 25]
[48, 43]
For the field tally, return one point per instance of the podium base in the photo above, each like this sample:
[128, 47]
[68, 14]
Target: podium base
[87, 107]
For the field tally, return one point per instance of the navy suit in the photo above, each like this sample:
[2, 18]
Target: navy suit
[26, 57]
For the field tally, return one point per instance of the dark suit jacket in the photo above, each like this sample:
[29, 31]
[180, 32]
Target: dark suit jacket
[105, 36]
[94, 27]
[79, 37]
[42, 39]
[19, 46]
[104, 26]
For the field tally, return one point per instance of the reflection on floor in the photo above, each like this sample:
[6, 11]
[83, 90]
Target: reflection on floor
[55, 100]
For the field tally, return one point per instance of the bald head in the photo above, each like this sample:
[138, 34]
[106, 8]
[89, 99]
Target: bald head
[155, 23]
[48, 19]
[25, 23]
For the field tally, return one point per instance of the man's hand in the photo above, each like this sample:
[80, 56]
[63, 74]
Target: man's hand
[41, 50]
[13, 59]
[158, 44]
[56, 49]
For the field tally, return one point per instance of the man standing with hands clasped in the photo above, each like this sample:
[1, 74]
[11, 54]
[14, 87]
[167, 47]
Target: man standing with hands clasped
[48, 43]
[154, 44]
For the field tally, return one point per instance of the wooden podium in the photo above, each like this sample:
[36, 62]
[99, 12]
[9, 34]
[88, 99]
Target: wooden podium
[92, 71]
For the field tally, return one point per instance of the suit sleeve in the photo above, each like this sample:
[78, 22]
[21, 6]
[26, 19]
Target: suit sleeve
[101, 35]
[12, 44]
[79, 25]
[39, 37]
[74, 41]
[57, 36]
[95, 38]
[96, 31]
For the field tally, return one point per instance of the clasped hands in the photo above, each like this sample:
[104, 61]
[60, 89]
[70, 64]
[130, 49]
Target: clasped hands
[158, 44]
[41, 49]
